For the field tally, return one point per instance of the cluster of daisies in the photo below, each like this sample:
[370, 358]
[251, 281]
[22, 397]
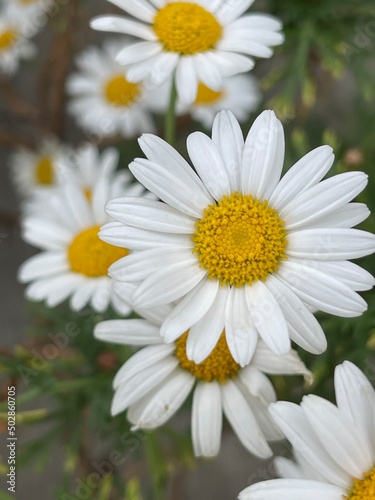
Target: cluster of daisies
[225, 263]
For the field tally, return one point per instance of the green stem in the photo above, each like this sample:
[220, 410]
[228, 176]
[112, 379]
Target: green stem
[170, 118]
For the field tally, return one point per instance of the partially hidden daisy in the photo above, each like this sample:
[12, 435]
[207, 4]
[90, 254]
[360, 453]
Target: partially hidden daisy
[244, 250]
[103, 100]
[201, 40]
[154, 383]
[334, 445]
[14, 41]
[74, 262]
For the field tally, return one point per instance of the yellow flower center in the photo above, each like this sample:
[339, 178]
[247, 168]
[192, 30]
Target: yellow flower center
[119, 92]
[240, 240]
[218, 366]
[363, 489]
[44, 171]
[205, 95]
[186, 28]
[89, 255]
[7, 38]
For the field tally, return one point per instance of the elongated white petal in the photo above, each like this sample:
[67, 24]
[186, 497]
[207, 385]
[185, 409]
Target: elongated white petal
[206, 419]
[186, 80]
[242, 420]
[292, 489]
[128, 331]
[42, 265]
[347, 216]
[192, 307]
[119, 24]
[137, 8]
[263, 156]
[347, 272]
[138, 52]
[209, 164]
[229, 11]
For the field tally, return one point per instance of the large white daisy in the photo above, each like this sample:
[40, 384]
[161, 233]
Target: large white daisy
[74, 262]
[103, 101]
[242, 248]
[14, 41]
[335, 445]
[156, 381]
[203, 40]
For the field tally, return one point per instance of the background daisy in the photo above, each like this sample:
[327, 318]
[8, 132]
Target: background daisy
[335, 446]
[243, 249]
[14, 40]
[74, 262]
[30, 10]
[103, 100]
[203, 41]
[155, 382]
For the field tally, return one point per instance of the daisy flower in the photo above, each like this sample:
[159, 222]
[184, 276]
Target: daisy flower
[239, 94]
[14, 42]
[34, 172]
[155, 382]
[202, 40]
[29, 10]
[243, 249]
[335, 445]
[74, 262]
[103, 101]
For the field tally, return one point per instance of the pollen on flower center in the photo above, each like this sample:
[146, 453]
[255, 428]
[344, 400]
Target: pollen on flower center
[363, 489]
[186, 28]
[120, 92]
[205, 95]
[89, 255]
[240, 240]
[7, 38]
[218, 366]
[44, 171]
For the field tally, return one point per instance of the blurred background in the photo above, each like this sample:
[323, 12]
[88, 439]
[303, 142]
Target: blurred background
[321, 84]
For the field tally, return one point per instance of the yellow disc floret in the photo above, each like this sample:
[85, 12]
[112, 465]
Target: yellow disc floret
[7, 38]
[120, 92]
[240, 240]
[44, 171]
[363, 489]
[89, 255]
[219, 365]
[205, 95]
[186, 28]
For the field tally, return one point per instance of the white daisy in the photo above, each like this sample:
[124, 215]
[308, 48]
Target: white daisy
[103, 101]
[239, 94]
[31, 11]
[156, 381]
[34, 172]
[14, 41]
[203, 40]
[335, 446]
[74, 262]
[242, 248]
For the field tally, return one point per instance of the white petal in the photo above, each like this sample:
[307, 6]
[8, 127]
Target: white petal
[62, 287]
[240, 333]
[206, 419]
[242, 420]
[288, 468]
[207, 72]
[118, 24]
[263, 156]
[186, 80]
[42, 265]
[204, 334]
[349, 215]
[209, 164]
[128, 331]
[150, 214]
[268, 317]
[337, 435]
[350, 274]
[169, 284]
[138, 52]
[355, 397]
[320, 290]
[330, 243]
[82, 295]
[305, 173]
[322, 199]
[228, 138]
[292, 489]
[159, 406]
[137, 8]
[307, 331]
[229, 11]
[189, 310]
